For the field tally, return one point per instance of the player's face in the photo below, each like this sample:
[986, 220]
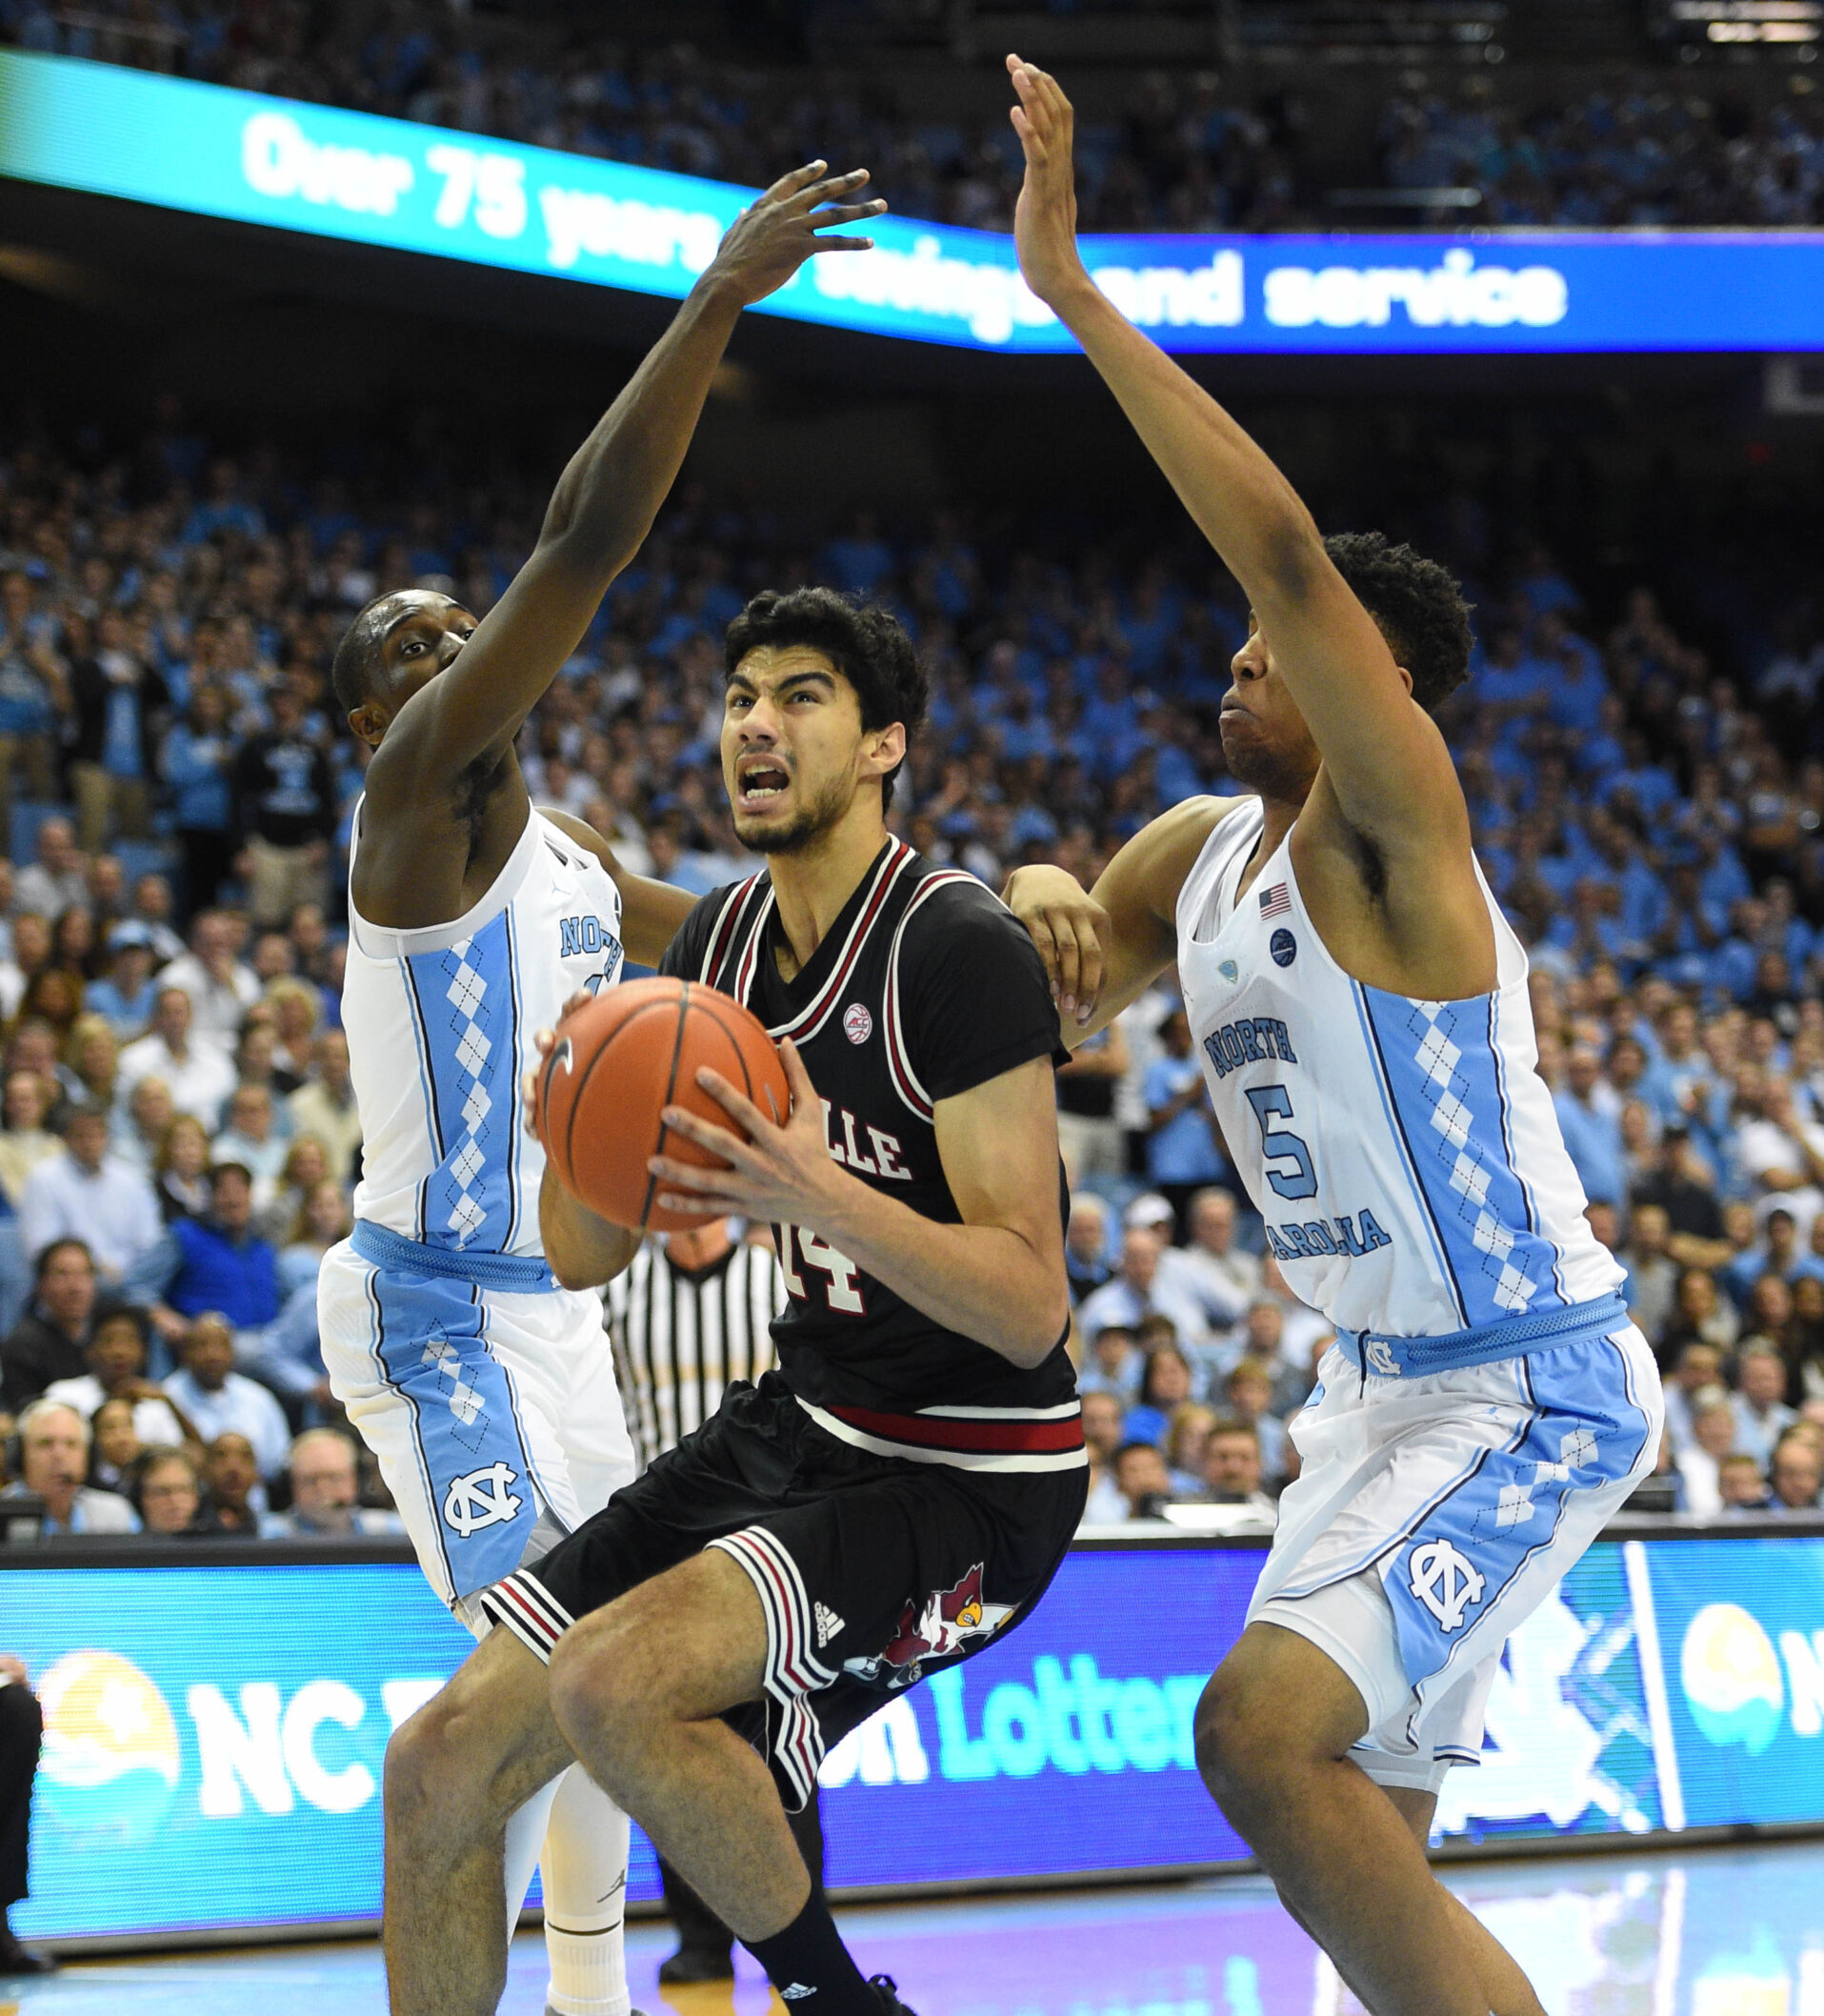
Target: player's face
[420, 634]
[1264, 736]
[793, 749]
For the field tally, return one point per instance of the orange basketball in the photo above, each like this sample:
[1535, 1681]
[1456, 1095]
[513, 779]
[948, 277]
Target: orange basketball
[619, 1061]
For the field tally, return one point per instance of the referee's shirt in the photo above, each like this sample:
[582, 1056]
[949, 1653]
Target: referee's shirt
[681, 1335]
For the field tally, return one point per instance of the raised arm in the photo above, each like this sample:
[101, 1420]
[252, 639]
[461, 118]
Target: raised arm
[607, 499]
[1386, 762]
[1104, 948]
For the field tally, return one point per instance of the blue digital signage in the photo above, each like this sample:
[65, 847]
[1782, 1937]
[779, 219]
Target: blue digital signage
[216, 1735]
[387, 182]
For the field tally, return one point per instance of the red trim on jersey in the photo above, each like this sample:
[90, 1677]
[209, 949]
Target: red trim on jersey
[720, 937]
[1016, 1436]
[899, 1061]
[817, 1011]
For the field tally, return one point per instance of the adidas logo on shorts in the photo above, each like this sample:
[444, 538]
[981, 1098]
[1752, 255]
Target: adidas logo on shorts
[828, 1623]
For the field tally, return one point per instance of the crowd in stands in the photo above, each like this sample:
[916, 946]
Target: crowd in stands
[1184, 152]
[1645, 150]
[177, 1134]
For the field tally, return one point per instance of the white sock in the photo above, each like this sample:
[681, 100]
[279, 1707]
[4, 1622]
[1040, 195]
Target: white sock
[584, 1872]
[525, 1836]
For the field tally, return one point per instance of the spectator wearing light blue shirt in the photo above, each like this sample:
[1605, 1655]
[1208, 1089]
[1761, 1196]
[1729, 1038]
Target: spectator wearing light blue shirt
[1592, 1137]
[90, 1195]
[1181, 1150]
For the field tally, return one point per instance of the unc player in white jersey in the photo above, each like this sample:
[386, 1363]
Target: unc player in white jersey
[1360, 1007]
[486, 1389]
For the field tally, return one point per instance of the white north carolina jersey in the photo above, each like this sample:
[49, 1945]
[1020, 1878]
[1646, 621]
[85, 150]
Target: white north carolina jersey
[440, 1026]
[1404, 1154]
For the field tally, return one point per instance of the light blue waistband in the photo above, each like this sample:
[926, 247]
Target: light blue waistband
[511, 1273]
[1413, 1357]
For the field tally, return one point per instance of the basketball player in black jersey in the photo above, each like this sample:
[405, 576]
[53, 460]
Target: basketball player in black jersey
[904, 1486]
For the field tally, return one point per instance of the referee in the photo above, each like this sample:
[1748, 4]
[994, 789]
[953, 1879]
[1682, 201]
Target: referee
[691, 1314]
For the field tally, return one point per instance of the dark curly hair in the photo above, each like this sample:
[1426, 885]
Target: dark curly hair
[1418, 606]
[866, 643]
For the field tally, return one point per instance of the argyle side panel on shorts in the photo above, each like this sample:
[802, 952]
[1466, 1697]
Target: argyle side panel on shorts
[1587, 1430]
[429, 1345]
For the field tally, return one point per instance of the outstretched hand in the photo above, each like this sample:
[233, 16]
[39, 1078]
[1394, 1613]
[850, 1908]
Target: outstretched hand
[780, 1175]
[1045, 217]
[779, 231]
[1070, 930]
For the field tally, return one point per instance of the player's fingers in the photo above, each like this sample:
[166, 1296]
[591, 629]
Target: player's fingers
[824, 245]
[826, 190]
[804, 1094]
[846, 213]
[1041, 933]
[1067, 967]
[685, 1176]
[708, 1135]
[1090, 968]
[704, 1207]
[789, 185]
[733, 1103]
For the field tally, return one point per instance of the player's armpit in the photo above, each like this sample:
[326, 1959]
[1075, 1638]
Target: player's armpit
[651, 913]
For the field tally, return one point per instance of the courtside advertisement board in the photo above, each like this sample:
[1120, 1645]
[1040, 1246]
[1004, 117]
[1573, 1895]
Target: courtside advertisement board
[215, 1734]
[214, 152]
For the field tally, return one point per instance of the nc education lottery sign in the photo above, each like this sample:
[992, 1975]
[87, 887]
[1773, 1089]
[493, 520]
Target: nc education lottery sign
[214, 1735]
[348, 175]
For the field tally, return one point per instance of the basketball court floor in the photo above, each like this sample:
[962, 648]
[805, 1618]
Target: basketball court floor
[1711, 1932]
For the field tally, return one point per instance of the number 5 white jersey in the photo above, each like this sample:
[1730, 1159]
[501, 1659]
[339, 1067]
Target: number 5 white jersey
[1403, 1154]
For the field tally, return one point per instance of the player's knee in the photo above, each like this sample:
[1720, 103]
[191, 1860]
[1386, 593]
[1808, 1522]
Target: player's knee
[1238, 1735]
[596, 1699]
[436, 1767]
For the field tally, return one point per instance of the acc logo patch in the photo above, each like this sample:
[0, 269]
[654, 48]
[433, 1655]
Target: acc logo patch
[1284, 947]
[858, 1024]
[484, 1497]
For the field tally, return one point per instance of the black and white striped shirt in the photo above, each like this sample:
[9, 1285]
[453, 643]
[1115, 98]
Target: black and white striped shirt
[681, 1336]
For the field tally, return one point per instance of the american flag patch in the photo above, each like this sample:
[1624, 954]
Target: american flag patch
[1275, 901]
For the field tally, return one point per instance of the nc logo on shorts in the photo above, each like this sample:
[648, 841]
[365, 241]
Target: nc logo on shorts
[1445, 1581]
[484, 1497]
[1381, 1357]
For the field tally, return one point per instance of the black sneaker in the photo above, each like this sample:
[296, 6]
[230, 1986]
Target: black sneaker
[686, 1965]
[891, 2005]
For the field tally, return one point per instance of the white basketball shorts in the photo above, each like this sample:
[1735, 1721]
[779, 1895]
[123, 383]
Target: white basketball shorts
[495, 1416]
[1432, 1514]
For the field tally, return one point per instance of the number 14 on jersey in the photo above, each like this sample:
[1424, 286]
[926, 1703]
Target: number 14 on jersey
[841, 1290]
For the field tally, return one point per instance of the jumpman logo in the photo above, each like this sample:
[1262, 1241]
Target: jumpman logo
[484, 1497]
[1445, 1581]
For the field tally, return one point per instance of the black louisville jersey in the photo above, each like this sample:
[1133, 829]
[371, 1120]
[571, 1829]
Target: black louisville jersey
[924, 988]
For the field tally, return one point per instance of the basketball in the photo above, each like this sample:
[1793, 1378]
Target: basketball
[618, 1062]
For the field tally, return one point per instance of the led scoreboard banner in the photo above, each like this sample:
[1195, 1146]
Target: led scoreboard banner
[215, 1731]
[210, 151]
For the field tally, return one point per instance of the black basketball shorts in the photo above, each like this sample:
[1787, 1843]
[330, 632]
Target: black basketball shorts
[871, 1571]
